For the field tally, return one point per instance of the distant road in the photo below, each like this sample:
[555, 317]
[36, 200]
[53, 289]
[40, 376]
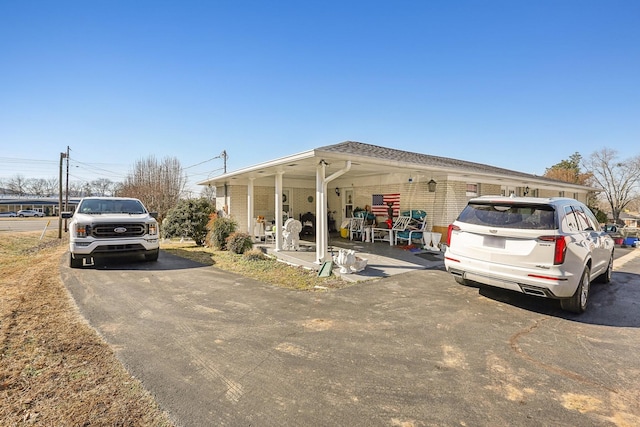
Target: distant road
[28, 224]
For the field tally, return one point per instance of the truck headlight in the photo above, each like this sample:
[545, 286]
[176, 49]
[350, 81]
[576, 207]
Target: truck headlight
[153, 229]
[82, 230]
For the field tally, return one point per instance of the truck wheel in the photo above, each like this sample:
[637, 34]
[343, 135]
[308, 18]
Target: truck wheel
[152, 255]
[578, 302]
[75, 262]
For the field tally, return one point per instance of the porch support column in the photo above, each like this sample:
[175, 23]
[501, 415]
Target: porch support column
[279, 224]
[250, 209]
[322, 228]
[322, 221]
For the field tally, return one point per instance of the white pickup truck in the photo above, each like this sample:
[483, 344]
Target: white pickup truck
[105, 227]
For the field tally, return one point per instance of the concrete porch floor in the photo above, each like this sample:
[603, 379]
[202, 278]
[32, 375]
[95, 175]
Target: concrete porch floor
[383, 260]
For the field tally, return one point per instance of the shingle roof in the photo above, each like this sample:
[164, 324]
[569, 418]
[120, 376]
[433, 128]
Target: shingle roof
[374, 151]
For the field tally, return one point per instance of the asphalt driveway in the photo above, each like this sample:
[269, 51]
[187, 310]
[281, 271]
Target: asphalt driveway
[415, 349]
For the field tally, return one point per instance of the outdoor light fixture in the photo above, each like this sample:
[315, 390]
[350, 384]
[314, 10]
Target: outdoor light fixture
[432, 186]
[526, 190]
[337, 192]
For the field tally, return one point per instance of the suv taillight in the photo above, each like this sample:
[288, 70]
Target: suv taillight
[560, 247]
[450, 230]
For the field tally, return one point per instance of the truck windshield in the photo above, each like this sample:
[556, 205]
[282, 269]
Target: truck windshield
[103, 206]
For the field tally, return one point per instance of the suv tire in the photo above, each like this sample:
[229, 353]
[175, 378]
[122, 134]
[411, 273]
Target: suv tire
[606, 276]
[578, 302]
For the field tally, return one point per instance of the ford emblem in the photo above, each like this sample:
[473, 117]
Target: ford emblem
[120, 230]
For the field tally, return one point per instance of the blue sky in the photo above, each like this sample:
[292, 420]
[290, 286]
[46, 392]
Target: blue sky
[515, 84]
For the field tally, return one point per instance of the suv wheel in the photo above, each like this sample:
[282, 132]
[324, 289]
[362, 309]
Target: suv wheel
[606, 276]
[578, 302]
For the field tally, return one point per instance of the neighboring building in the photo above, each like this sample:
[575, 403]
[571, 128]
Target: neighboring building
[333, 181]
[48, 205]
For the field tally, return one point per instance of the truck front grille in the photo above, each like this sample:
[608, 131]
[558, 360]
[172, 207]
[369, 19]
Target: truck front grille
[116, 230]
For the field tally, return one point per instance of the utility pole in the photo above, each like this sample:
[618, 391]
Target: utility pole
[62, 156]
[224, 158]
[66, 202]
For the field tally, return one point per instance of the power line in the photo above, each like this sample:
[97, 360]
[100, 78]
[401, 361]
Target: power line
[222, 155]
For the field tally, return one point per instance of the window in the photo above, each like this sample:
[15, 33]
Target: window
[472, 190]
[570, 220]
[505, 215]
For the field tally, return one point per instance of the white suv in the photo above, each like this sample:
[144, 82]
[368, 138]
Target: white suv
[547, 247]
[30, 212]
[104, 227]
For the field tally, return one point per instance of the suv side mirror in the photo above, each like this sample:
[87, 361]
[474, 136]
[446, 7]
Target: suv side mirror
[154, 215]
[66, 215]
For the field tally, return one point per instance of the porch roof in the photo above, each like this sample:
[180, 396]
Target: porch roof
[370, 160]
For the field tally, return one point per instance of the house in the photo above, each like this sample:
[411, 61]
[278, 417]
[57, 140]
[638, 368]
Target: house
[333, 181]
[630, 219]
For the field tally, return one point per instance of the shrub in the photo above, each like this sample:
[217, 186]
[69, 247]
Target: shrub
[238, 243]
[188, 219]
[254, 255]
[219, 229]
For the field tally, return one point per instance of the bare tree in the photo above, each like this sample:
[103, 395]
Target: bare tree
[51, 187]
[102, 187]
[36, 186]
[157, 184]
[618, 179]
[17, 185]
[208, 192]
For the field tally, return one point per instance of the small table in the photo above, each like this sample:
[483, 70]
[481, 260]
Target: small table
[378, 230]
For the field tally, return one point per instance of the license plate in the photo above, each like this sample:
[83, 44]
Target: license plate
[494, 242]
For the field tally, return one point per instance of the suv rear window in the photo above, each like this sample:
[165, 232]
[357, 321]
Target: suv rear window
[505, 215]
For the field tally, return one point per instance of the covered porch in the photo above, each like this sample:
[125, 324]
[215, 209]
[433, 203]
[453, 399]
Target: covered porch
[330, 183]
[383, 260]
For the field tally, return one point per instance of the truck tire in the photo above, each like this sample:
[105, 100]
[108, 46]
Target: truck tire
[152, 255]
[75, 262]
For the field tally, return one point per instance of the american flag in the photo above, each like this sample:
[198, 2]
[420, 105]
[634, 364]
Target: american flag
[379, 204]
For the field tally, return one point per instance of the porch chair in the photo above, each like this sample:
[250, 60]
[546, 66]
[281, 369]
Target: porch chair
[356, 228]
[388, 234]
[415, 229]
[308, 221]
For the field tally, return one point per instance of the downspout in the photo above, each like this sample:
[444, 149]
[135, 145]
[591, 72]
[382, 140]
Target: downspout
[322, 225]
